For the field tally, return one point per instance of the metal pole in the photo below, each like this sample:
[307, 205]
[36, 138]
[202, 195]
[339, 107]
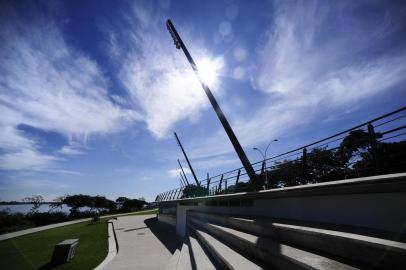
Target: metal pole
[208, 181]
[374, 148]
[221, 180]
[240, 152]
[169, 195]
[181, 183]
[187, 160]
[183, 172]
[182, 180]
[238, 178]
[304, 165]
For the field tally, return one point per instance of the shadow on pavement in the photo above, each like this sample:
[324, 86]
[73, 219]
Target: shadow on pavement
[165, 233]
[135, 229]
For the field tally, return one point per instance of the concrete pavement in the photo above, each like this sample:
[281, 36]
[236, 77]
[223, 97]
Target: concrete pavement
[143, 243]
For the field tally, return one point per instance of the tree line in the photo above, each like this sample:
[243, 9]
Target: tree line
[358, 155]
[80, 206]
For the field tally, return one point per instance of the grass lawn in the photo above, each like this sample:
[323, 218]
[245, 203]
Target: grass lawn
[34, 251]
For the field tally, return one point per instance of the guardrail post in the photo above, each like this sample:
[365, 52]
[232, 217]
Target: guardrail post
[174, 194]
[221, 181]
[374, 148]
[304, 165]
[238, 177]
[262, 172]
[208, 182]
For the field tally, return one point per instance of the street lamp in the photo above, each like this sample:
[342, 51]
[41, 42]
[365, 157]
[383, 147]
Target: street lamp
[264, 157]
[234, 141]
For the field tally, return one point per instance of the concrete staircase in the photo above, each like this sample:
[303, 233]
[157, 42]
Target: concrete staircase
[220, 241]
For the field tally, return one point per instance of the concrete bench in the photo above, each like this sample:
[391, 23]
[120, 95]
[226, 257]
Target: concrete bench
[64, 251]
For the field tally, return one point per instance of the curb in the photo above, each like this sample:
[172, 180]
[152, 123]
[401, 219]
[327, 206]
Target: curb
[113, 247]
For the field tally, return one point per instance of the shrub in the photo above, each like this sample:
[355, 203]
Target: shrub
[46, 218]
[13, 222]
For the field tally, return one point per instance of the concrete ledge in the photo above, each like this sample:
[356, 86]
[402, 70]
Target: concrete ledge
[373, 184]
[169, 219]
[112, 247]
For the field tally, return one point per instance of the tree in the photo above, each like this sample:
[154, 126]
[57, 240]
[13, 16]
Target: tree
[100, 202]
[134, 204]
[356, 148]
[57, 203]
[36, 201]
[77, 201]
[194, 191]
[121, 200]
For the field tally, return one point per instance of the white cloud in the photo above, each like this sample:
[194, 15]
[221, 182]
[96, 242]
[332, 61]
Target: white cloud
[25, 159]
[305, 68]
[158, 77]
[49, 85]
[69, 150]
[177, 172]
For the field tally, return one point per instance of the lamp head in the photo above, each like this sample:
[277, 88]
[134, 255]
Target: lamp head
[172, 30]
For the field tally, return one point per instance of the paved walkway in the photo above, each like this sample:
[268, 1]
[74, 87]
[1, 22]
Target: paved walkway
[51, 226]
[143, 243]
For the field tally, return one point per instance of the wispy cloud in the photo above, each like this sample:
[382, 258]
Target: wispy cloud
[315, 58]
[47, 84]
[177, 172]
[69, 150]
[156, 75]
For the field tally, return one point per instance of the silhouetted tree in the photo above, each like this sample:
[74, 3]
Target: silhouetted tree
[36, 201]
[134, 204]
[194, 191]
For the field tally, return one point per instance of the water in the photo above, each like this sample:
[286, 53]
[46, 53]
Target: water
[26, 208]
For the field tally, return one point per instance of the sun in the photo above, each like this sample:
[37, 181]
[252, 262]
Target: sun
[209, 70]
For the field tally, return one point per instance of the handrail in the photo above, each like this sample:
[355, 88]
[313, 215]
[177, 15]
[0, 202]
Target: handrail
[367, 127]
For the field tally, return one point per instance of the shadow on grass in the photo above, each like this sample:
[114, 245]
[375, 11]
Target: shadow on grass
[48, 266]
[165, 233]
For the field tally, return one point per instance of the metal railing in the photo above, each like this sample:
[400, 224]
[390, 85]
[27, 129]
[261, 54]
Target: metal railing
[374, 147]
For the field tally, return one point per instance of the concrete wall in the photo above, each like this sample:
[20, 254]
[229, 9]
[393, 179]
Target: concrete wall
[376, 203]
[169, 219]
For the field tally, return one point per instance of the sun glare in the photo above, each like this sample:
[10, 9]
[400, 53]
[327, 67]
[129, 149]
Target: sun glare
[209, 70]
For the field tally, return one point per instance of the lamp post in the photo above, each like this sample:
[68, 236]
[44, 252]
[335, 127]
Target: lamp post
[234, 141]
[264, 157]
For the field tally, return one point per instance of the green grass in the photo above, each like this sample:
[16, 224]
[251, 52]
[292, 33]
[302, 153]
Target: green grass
[34, 251]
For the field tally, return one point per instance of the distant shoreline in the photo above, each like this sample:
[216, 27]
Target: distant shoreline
[18, 203]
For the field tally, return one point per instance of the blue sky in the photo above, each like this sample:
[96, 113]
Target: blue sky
[92, 91]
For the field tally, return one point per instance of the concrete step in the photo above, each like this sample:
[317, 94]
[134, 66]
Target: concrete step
[184, 262]
[224, 256]
[200, 260]
[191, 255]
[173, 261]
[271, 252]
[360, 249]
